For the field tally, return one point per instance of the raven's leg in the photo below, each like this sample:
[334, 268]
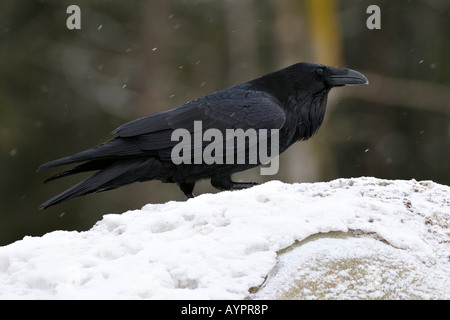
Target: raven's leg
[225, 183]
[187, 189]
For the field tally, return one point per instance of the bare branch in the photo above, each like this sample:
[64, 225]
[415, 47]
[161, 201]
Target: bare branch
[416, 94]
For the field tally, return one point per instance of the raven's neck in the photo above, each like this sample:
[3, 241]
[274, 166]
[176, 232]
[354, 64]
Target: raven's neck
[304, 116]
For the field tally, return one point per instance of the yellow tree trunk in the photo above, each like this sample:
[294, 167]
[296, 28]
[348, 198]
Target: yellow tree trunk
[325, 31]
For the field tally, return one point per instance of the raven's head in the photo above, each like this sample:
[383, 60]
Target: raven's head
[307, 79]
[317, 77]
[303, 89]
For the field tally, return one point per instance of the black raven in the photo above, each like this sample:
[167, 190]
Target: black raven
[291, 101]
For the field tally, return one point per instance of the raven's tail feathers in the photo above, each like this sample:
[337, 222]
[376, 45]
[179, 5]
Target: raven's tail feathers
[113, 149]
[114, 175]
[88, 166]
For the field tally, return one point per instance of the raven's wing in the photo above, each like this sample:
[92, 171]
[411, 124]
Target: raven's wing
[232, 108]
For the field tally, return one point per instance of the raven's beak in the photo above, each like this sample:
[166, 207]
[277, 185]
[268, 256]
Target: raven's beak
[345, 77]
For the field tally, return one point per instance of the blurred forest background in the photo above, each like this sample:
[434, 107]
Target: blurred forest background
[63, 91]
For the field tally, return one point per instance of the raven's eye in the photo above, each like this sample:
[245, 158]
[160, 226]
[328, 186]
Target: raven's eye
[319, 72]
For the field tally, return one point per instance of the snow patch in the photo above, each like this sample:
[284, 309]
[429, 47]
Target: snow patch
[361, 238]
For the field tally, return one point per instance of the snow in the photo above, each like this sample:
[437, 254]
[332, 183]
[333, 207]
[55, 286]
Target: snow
[360, 238]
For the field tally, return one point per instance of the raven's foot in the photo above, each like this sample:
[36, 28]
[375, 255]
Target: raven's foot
[187, 189]
[225, 183]
[242, 185]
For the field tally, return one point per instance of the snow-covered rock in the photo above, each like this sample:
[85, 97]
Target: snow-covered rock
[361, 238]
